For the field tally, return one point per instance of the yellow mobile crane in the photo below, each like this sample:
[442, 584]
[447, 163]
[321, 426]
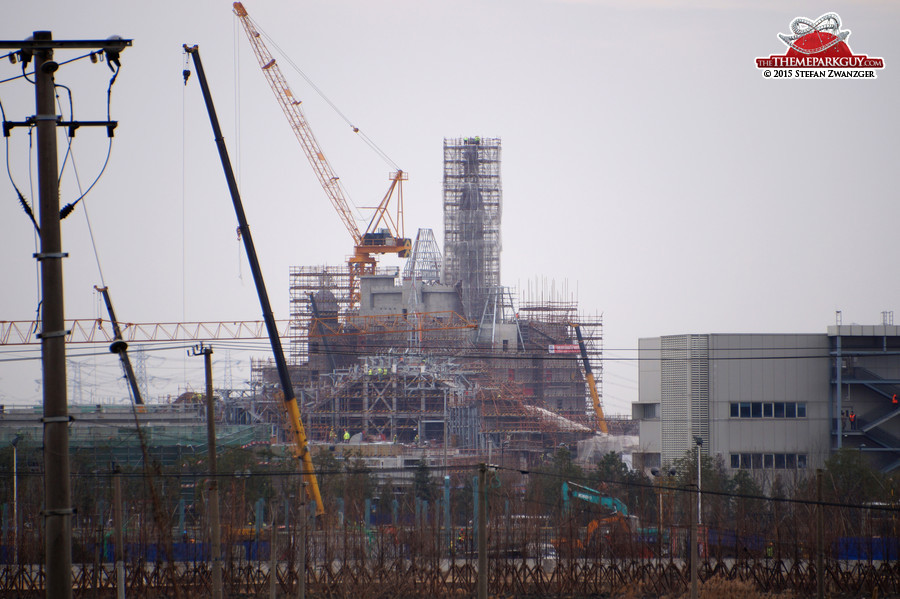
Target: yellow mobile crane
[592, 384]
[289, 400]
[385, 233]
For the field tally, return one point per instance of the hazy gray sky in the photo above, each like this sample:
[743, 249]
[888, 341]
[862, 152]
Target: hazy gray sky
[649, 170]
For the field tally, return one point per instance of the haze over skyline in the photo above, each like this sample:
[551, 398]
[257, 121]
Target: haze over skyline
[649, 170]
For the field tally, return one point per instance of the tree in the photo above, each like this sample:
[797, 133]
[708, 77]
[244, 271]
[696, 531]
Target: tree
[545, 484]
[713, 478]
[850, 478]
[327, 468]
[359, 485]
[424, 487]
[613, 476]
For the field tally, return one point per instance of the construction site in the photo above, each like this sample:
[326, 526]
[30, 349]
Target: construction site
[439, 354]
[416, 430]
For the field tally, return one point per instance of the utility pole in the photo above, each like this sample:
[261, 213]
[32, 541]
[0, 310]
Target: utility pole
[57, 494]
[694, 559]
[820, 537]
[304, 517]
[215, 536]
[482, 533]
[57, 513]
[15, 503]
[699, 440]
[119, 537]
[273, 559]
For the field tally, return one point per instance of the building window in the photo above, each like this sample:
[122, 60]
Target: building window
[778, 409]
[769, 461]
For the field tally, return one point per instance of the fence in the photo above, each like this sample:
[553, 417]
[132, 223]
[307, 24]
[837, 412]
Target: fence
[381, 539]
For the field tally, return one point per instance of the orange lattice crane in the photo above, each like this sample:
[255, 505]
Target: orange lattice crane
[385, 232]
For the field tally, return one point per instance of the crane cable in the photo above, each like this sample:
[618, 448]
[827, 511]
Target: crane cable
[366, 139]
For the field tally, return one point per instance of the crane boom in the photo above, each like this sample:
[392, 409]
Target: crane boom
[289, 400]
[385, 232]
[592, 384]
[291, 107]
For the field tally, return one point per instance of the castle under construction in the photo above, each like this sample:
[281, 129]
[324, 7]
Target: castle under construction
[439, 353]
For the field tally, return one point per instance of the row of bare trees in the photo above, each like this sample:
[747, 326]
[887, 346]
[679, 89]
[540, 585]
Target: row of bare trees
[419, 513]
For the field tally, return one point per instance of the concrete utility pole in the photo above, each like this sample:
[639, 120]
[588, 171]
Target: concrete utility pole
[215, 536]
[304, 517]
[694, 558]
[820, 538]
[118, 524]
[57, 486]
[699, 440]
[57, 513]
[15, 502]
[482, 533]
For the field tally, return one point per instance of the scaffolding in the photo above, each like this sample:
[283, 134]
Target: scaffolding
[387, 369]
[546, 326]
[472, 211]
[314, 280]
[425, 261]
[403, 399]
[524, 376]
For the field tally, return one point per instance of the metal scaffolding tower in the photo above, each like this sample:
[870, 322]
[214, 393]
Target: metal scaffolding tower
[425, 261]
[472, 210]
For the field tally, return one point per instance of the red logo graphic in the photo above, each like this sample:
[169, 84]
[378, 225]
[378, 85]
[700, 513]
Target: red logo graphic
[818, 49]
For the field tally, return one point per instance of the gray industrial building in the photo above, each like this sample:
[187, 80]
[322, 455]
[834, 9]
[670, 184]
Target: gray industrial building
[773, 404]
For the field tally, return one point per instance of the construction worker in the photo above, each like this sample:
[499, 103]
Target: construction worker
[852, 417]
[346, 436]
